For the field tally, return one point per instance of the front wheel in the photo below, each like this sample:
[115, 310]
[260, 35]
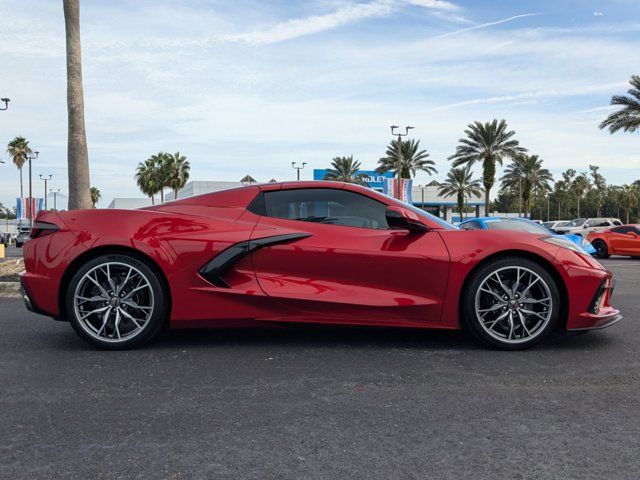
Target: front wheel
[511, 303]
[601, 249]
[116, 302]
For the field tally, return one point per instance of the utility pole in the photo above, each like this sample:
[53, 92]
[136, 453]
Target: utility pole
[6, 103]
[55, 193]
[29, 157]
[293, 165]
[548, 205]
[399, 154]
[46, 179]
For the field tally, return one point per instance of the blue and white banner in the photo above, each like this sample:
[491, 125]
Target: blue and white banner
[27, 208]
[390, 187]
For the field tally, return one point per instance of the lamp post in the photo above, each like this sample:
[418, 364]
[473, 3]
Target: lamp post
[31, 157]
[399, 153]
[293, 165]
[422, 187]
[55, 193]
[46, 179]
[6, 103]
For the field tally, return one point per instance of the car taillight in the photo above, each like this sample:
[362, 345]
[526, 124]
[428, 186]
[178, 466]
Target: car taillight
[41, 229]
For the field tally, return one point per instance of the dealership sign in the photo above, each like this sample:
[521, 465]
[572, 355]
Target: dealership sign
[374, 179]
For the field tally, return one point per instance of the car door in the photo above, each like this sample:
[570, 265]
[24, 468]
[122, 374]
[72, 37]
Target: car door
[346, 264]
[624, 240]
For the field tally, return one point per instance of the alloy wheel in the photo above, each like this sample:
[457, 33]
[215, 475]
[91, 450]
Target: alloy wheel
[113, 302]
[513, 304]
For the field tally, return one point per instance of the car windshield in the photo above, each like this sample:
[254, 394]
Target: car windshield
[562, 224]
[519, 225]
[578, 222]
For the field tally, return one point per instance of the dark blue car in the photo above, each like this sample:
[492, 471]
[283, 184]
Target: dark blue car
[525, 225]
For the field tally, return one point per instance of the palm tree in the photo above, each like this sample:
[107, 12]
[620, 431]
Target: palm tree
[176, 168]
[18, 149]
[345, 169]
[629, 196]
[628, 117]
[487, 143]
[160, 172]
[77, 155]
[413, 160]
[147, 178]
[580, 185]
[95, 196]
[526, 175]
[460, 183]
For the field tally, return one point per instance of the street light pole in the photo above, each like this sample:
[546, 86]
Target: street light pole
[399, 154]
[293, 165]
[6, 103]
[46, 179]
[55, 193]
[30, 157]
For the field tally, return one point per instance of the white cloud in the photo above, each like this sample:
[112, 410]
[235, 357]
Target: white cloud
[598, 14]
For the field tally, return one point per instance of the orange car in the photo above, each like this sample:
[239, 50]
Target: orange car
[624, 240]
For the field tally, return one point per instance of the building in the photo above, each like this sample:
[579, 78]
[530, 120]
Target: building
[129, 203]
[200, 187]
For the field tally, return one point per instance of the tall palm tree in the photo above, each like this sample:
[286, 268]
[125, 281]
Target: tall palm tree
[160, 172]
[525, 175]
[95, 196]
[345, 169]
[629, 196]
[628, 117]
[18, 149]
[77, 155]
[147, 178]
[459, 182]
[176, 168]
[487, 143]
[413, 159]
[580, 185]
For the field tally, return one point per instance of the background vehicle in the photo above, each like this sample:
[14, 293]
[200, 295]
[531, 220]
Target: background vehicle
[523, 225]
[584, 226]
[553, 224]
[304, 252]
[22, 238]
[624, 240]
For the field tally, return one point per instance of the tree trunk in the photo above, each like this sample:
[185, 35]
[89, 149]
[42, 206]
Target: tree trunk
[627, 216]
[488, 177]
[77, 155]
[21, 187]
[461, 204]
[162, 195]
[578, 207]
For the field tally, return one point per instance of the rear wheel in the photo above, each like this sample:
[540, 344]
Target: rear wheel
[116, 302]
[511, 303]
[601, 249]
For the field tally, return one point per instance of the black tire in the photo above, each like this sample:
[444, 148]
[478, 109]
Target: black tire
[471, 320]
[601, 249]
[153, 325]
[18, 245]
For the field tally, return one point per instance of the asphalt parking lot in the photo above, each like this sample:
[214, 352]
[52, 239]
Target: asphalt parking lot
[320, 403]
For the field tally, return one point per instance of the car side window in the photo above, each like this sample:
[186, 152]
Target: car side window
[604, 223]
[620, 230]
[617, 222]
[326, 205]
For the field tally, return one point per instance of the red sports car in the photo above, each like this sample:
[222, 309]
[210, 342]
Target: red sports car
[624, 240]
[304, 252]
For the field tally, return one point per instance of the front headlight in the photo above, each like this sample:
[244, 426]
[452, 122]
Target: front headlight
[564, 243]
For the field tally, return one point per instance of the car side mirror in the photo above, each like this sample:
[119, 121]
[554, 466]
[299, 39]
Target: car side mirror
[398, 217]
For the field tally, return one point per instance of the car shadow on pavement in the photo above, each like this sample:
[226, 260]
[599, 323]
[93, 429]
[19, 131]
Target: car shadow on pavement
[350, 337]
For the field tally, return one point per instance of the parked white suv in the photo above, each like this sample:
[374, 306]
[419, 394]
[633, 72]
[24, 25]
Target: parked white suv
[584, 226]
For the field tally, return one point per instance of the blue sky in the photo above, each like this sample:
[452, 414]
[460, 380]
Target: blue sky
[250, 86]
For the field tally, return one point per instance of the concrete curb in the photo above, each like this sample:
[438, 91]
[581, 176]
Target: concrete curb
[9, 289]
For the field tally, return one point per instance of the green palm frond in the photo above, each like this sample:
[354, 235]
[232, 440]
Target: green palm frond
[413, 159]
[626, 118]
[345, 169]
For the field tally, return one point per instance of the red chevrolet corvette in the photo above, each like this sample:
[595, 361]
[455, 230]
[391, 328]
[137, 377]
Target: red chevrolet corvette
[624, 240]
[304, 252]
